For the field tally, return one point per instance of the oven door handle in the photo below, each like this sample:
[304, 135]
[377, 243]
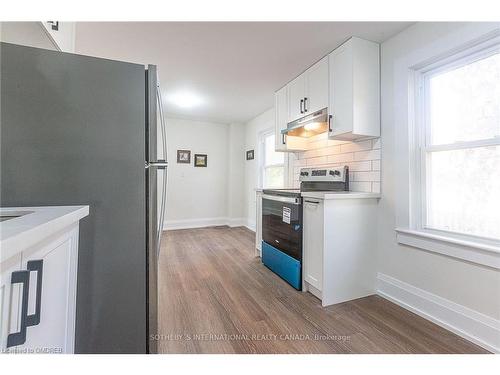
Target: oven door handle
[278, 198]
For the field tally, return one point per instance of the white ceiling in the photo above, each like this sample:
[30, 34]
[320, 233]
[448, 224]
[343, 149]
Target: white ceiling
[234, 67]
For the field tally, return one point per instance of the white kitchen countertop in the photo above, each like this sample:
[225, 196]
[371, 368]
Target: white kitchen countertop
[339, 195]
[33, 225]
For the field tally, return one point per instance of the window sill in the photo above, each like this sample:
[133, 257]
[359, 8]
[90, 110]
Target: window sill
[476, 252]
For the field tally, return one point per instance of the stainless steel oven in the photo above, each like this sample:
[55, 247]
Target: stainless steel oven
[282, 220]
[282, 234]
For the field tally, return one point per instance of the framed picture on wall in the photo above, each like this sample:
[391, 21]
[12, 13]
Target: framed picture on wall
[200, 160]
[250, 155]
[184, 156]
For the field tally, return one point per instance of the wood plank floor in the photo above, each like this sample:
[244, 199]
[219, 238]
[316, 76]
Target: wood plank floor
[215, 296]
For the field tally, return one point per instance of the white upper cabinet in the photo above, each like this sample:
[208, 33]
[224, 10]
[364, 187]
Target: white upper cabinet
[296, 91]
[354, 98]
[281, 114]
[309, 91]
[284, 142]
[347, 82]
[316, 95]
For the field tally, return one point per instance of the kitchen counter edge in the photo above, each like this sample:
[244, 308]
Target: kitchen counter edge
[41, 222]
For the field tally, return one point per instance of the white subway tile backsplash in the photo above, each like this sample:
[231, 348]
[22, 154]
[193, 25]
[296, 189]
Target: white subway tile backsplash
[299, 162]
[317, 161]
[341, 158]
[367, 155]
[366, 176]
[365, 187]
[362, 158]
[322, 152]
[360, 166]
[356, 146]
[332, 142]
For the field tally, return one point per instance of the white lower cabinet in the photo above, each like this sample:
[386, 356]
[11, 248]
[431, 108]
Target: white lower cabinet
[339, 248]
[10, 298]
[50, 269]
[313, 237]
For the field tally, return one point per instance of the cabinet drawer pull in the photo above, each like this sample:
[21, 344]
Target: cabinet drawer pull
[36, 265]
[305, 105]
[301, 105]
[313, 202]
[18, 338]
[330, 123]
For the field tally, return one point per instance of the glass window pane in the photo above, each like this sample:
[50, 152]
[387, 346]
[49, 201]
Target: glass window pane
[271, 156]
[464, 191]
[465, 102]
[274, 177]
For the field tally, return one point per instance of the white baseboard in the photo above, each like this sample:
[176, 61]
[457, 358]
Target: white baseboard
[250, 225]
[237, 222]
[205, 222]
[465, 322]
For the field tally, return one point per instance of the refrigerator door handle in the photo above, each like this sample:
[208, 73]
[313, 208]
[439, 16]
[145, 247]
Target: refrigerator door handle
[163, 166]
[160, 164]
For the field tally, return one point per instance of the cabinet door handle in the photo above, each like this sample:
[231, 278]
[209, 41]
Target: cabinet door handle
[301, 105]
[330, 123]
[36, 265]
[18, 338]
[313, 202]
[283, 139]
[305, 104]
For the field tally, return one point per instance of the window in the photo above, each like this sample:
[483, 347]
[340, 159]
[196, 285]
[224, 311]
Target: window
[272, 163]
[458, 136]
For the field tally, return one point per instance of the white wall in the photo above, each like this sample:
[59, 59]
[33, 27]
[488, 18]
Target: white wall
[199, 196]
[259, 124]
[31, 34]
[40, 35]
[236, 175]
[64, 36]
[475, 289]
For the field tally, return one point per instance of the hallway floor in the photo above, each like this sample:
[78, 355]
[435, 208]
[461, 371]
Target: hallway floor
[215, 296]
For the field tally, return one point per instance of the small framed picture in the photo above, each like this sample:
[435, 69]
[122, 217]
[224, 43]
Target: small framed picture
[184, 156]
[250, 155]
[200, 160]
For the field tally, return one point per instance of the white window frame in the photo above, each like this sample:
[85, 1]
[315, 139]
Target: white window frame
[261, 160]
[464, 246]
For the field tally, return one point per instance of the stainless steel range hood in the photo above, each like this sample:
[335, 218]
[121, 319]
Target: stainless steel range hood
[313, 124]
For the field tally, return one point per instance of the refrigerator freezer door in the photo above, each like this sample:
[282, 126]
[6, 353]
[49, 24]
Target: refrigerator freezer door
[163, 164]
[73, 134]
[152, 208]
[157, 190]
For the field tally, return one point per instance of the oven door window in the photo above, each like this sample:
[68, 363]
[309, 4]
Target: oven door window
[282, 226]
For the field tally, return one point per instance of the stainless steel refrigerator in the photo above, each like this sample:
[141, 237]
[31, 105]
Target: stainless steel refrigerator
[81, 130]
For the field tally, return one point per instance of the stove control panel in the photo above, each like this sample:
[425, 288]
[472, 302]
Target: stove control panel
[324, 174]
